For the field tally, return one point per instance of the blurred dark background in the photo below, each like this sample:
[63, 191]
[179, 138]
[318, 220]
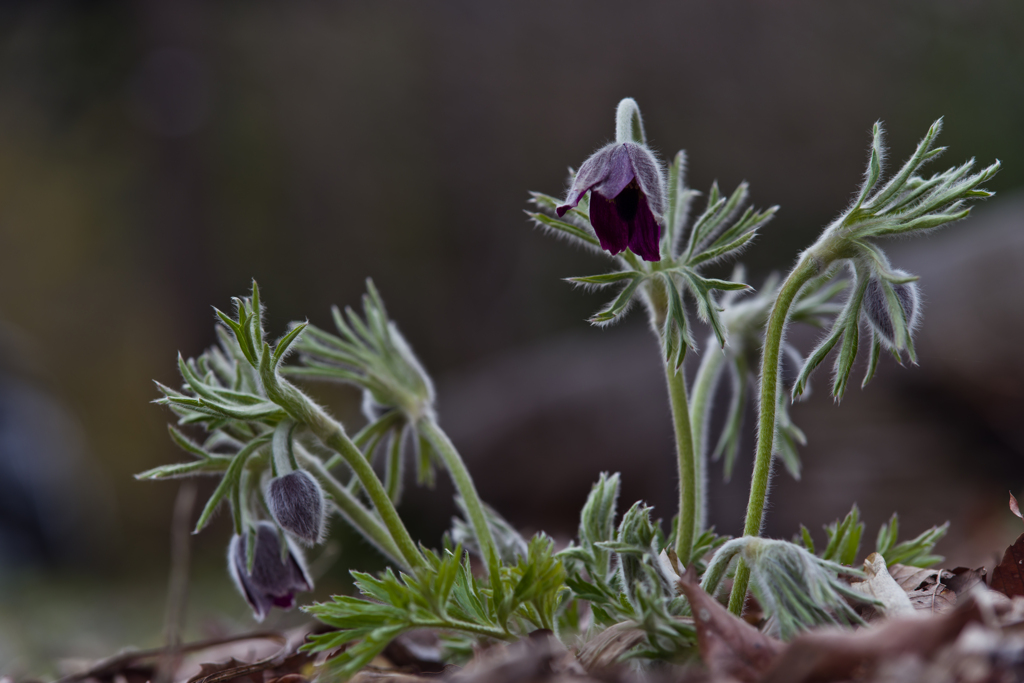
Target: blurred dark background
[155, 156]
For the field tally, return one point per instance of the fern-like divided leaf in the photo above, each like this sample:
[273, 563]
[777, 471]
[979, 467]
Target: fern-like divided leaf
[445, 595]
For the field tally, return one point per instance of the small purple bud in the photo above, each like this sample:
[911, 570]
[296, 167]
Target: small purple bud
[273, 582]
[627, 194]
[297, 504]
[876, 309]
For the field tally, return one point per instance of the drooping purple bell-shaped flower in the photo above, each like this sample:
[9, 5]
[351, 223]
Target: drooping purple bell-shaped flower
[627, 194]
[297, 504]
[273, 581]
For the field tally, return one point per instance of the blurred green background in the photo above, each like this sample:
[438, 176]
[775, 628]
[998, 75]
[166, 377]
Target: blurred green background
[155, 156]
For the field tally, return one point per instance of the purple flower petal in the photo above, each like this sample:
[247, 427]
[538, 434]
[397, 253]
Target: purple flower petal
[273, 582]
[618, 172]
[593, 171]
[648, 176]
[645, 232]
[611, 228]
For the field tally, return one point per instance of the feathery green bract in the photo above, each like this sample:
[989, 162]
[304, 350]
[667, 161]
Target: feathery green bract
[795, 588]
[370, 353]
[222, 393]
[444, 595]
[907, 203]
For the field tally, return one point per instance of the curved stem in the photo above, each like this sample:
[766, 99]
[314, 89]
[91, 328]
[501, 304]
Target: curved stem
[352, 510]
[331, 434]
[334, 437]
[687, 465]
[704, 385]
[806, 269]
[464, 484]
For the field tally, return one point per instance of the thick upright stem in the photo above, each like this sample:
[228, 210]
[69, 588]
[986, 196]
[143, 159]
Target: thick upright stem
[806, 269]
[464, 485]
[704, 385]
[687, 463]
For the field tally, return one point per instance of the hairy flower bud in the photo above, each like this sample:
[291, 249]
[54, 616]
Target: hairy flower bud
[274, 581]
[627, 195]
[879, 313]
[297, 504]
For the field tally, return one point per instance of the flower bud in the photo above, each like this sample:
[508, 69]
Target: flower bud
[881, 316]
[273, 581]
[297, 504]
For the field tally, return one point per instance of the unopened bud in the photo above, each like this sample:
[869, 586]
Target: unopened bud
[880, 315]
[297, 504]
[273, 581]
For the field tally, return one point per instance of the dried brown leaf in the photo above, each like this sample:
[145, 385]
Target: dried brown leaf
[965, 579]
[834, 655]
[1008, 576]
[539, 657]
[937, 599]
[728, 645]
[880, 585]
[913, 579]
[605, 650]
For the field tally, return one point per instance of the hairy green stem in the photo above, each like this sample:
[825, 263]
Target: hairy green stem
[332, 435]
[352, 510]
[806, 268]
[704, 385]
[657, 306]
[687, 463]
[464, 485]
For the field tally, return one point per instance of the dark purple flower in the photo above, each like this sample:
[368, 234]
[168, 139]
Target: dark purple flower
[626, 197]
[273, 581]
[297, 504]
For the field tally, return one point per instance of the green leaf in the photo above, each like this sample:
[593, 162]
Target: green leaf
[186, 444]
[619, 305]
[211, 465]
[229, 480]
[727, 212]
[676, 336]
[917, 551]
[286, 342]
[721, 250]
[874, 171]
[805, 536]
[887, 535]
[847, 355]
[896, 184]
[565, 229]
[817, 356]
[605, 279]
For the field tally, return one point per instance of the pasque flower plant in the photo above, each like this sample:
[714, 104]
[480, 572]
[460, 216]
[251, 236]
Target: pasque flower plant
[286, 466]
